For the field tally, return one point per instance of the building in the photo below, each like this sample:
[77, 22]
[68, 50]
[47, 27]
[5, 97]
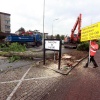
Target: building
[5, 22]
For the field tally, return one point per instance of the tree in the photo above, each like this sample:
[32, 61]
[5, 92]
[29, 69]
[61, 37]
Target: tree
[21, 29]
[52, 36]
[57, 36]
[62, 37]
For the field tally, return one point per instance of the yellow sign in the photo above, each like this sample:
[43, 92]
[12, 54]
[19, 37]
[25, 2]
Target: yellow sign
[90, 32]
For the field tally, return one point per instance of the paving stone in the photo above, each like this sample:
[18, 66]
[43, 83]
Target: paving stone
[6, 89]
[35, 89]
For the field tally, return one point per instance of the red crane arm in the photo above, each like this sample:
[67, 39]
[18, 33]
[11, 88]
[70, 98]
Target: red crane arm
[78, 23]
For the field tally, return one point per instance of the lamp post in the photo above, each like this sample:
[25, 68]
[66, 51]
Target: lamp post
[43, 32]
[52, 25]
[43, 21]
[52, 34]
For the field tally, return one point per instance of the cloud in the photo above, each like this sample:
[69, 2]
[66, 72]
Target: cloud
[29, 14]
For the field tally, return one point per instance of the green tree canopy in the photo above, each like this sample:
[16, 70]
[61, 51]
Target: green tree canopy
[62, 37]
[57, 36]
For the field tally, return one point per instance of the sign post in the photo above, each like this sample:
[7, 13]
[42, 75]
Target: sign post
[53, 45]
[90, 33]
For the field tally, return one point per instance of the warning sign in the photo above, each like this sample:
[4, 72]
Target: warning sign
[90, 32]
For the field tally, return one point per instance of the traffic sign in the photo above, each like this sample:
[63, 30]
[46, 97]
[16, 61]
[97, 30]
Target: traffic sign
[52, 44]
[91, 32]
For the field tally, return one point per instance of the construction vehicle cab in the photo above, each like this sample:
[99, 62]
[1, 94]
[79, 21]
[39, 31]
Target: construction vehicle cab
[71, 42]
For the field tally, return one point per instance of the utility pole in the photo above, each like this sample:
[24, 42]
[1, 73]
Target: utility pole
[43, 21]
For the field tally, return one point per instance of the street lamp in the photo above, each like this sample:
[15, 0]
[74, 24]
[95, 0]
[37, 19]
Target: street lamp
[52, 34]
[43, 31]
[52, 25]
[43, 20]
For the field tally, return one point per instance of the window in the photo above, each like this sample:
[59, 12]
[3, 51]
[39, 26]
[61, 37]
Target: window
[7, 27]
[7, 31]
[7, 21]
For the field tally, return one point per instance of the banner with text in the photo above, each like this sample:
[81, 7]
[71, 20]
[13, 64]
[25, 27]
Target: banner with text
[90, 32]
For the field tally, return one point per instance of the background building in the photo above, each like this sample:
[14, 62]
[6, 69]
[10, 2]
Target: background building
[5, 22]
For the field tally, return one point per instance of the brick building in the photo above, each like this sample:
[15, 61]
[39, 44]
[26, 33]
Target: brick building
[5, 22]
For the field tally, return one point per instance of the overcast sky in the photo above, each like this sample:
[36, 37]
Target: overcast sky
[29, 14]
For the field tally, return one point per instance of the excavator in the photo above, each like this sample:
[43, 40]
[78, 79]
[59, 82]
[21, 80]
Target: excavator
[74, 39]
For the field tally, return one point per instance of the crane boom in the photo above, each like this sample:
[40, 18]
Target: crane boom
[77, 24]
[74, 38]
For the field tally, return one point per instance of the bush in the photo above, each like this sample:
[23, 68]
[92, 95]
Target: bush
[13, 47]
[14, 58]
[83, 46]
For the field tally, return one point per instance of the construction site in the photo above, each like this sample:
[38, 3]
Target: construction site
[29, 79]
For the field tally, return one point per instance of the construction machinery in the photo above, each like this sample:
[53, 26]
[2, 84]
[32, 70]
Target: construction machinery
[74, 39]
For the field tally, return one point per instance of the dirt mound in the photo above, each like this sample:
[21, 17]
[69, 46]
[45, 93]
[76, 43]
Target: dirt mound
[77, 54]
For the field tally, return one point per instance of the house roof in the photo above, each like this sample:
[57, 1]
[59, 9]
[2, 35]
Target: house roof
[4, 13]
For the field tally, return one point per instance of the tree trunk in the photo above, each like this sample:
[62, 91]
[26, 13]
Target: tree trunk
[26, 54]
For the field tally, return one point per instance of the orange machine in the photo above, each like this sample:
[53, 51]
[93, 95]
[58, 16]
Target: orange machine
[74, 38]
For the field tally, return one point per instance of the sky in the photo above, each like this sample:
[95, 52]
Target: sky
[59, 15]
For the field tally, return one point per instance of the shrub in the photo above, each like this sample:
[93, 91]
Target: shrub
[13, 47]
[14, 58]
[83, 46]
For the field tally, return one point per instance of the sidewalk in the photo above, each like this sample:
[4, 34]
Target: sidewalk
[81, 84]
[97, 57]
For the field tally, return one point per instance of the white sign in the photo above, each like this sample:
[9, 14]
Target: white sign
[53, 44]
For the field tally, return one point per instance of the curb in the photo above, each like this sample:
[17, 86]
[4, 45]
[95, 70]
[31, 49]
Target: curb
[68, 71]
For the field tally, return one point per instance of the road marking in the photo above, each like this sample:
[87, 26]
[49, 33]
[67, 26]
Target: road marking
[9, 81]
[15, 89]
[40, 78]
[36, 78]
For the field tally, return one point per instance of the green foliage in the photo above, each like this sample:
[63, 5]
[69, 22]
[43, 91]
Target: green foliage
[3, 47]
[13, 47]
[62, 37]
[21, 29]
[52, 36]
[14, 58]
[83, 46]
[17, 47]
[57, 36]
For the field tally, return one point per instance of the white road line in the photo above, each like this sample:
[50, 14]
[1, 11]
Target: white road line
[15, 89]
[36, 78]
[9, 81]
[40, 78]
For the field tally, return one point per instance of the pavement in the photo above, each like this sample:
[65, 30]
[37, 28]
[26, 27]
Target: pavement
[33, 80]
